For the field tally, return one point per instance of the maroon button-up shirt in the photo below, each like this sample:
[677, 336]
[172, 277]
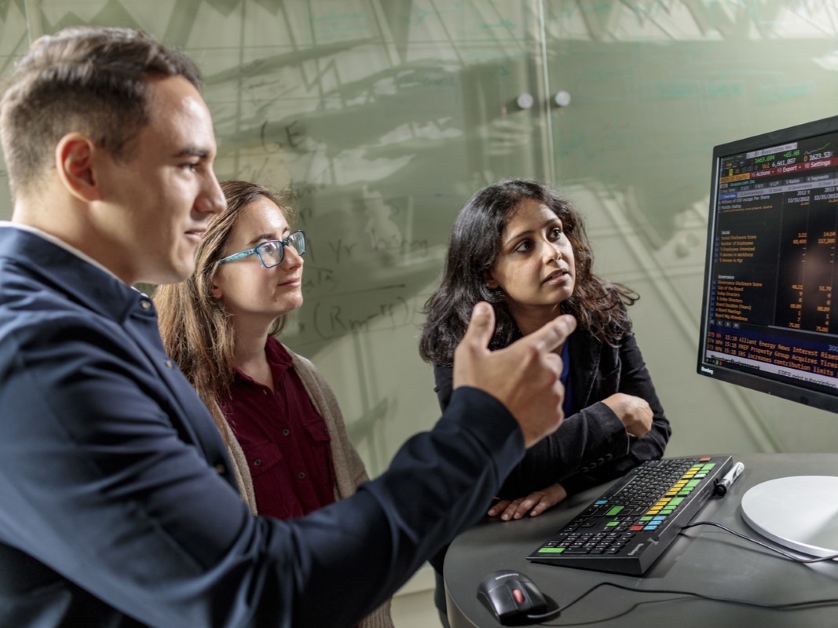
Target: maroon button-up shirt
[284, 439]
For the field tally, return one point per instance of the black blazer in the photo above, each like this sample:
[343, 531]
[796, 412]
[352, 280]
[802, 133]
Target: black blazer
[591, 446]
[117, 507]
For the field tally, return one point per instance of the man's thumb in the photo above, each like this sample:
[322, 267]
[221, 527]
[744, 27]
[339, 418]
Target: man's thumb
[482, 325]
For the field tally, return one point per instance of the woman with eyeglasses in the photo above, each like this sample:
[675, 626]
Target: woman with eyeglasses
[284, 430]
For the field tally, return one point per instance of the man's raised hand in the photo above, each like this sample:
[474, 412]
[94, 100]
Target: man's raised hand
[524, 376]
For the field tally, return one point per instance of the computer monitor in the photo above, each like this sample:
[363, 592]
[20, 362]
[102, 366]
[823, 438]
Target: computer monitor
[769, 318]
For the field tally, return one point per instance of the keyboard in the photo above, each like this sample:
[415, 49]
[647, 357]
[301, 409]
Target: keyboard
[631, 524]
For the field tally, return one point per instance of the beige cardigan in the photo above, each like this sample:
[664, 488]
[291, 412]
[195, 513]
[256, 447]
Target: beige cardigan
[349, 468]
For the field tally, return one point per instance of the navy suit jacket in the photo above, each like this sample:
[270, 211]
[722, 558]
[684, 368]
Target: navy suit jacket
[117, 505]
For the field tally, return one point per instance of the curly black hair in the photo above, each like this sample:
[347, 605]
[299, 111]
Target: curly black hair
[598, 305]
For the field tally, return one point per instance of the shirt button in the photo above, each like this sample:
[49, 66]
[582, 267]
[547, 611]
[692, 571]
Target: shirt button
[169, 364]
[301, 475]
[220, 469]
[145, 304]
[286, 432]
[257, 462]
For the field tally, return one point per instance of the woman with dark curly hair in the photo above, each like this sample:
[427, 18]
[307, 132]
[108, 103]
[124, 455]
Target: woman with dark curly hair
[521, 247]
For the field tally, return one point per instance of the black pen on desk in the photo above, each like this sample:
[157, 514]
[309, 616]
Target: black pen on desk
[723, 485]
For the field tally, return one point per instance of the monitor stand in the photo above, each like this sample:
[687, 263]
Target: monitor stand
[798, 512]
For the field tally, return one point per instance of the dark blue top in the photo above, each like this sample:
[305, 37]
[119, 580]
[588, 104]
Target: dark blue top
[567, 404]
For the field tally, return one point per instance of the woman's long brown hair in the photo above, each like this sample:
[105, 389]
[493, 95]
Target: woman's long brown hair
[197, 331]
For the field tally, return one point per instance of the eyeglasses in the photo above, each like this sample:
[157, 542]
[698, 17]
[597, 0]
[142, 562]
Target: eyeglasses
[272, 252]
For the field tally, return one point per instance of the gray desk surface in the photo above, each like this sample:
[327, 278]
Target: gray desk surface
[702, 560]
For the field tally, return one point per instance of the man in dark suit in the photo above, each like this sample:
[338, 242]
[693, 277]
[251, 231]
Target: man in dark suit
[118, 507]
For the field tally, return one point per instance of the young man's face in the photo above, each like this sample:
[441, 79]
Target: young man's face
[156, 205]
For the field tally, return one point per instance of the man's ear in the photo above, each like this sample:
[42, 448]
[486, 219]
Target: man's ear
[75, 161]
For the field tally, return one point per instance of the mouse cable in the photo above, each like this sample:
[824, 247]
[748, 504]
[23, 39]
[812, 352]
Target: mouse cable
[545, 616]
[767, 546]
[788, 606]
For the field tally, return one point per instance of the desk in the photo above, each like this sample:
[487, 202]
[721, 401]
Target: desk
[703, 560]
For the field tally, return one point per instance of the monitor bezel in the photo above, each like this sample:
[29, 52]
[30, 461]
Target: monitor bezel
[792, 392]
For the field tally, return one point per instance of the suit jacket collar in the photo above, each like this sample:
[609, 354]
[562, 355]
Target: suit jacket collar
[82, 281]
[585, 354]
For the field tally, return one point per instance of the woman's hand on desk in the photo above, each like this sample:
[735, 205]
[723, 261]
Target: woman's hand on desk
[634, 412]
[533, 504]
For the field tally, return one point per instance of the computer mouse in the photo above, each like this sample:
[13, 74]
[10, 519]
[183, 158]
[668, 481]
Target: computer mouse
[511, 596]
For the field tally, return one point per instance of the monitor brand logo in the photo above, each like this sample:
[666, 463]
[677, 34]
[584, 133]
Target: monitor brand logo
[704, 369]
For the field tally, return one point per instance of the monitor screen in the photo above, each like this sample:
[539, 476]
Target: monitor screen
[768, 319]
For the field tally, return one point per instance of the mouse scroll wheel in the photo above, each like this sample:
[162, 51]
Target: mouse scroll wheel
[518, 595]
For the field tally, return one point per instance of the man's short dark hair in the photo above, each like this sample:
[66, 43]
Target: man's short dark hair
[91, 80]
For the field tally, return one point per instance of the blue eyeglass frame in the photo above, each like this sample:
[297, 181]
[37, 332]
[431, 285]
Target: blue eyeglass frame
[255, 250]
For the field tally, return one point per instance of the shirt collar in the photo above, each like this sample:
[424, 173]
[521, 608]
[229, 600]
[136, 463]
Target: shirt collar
[55, 264]
[58, 242]
[279, 361]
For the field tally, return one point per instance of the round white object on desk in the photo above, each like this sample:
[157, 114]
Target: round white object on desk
[799, 512]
